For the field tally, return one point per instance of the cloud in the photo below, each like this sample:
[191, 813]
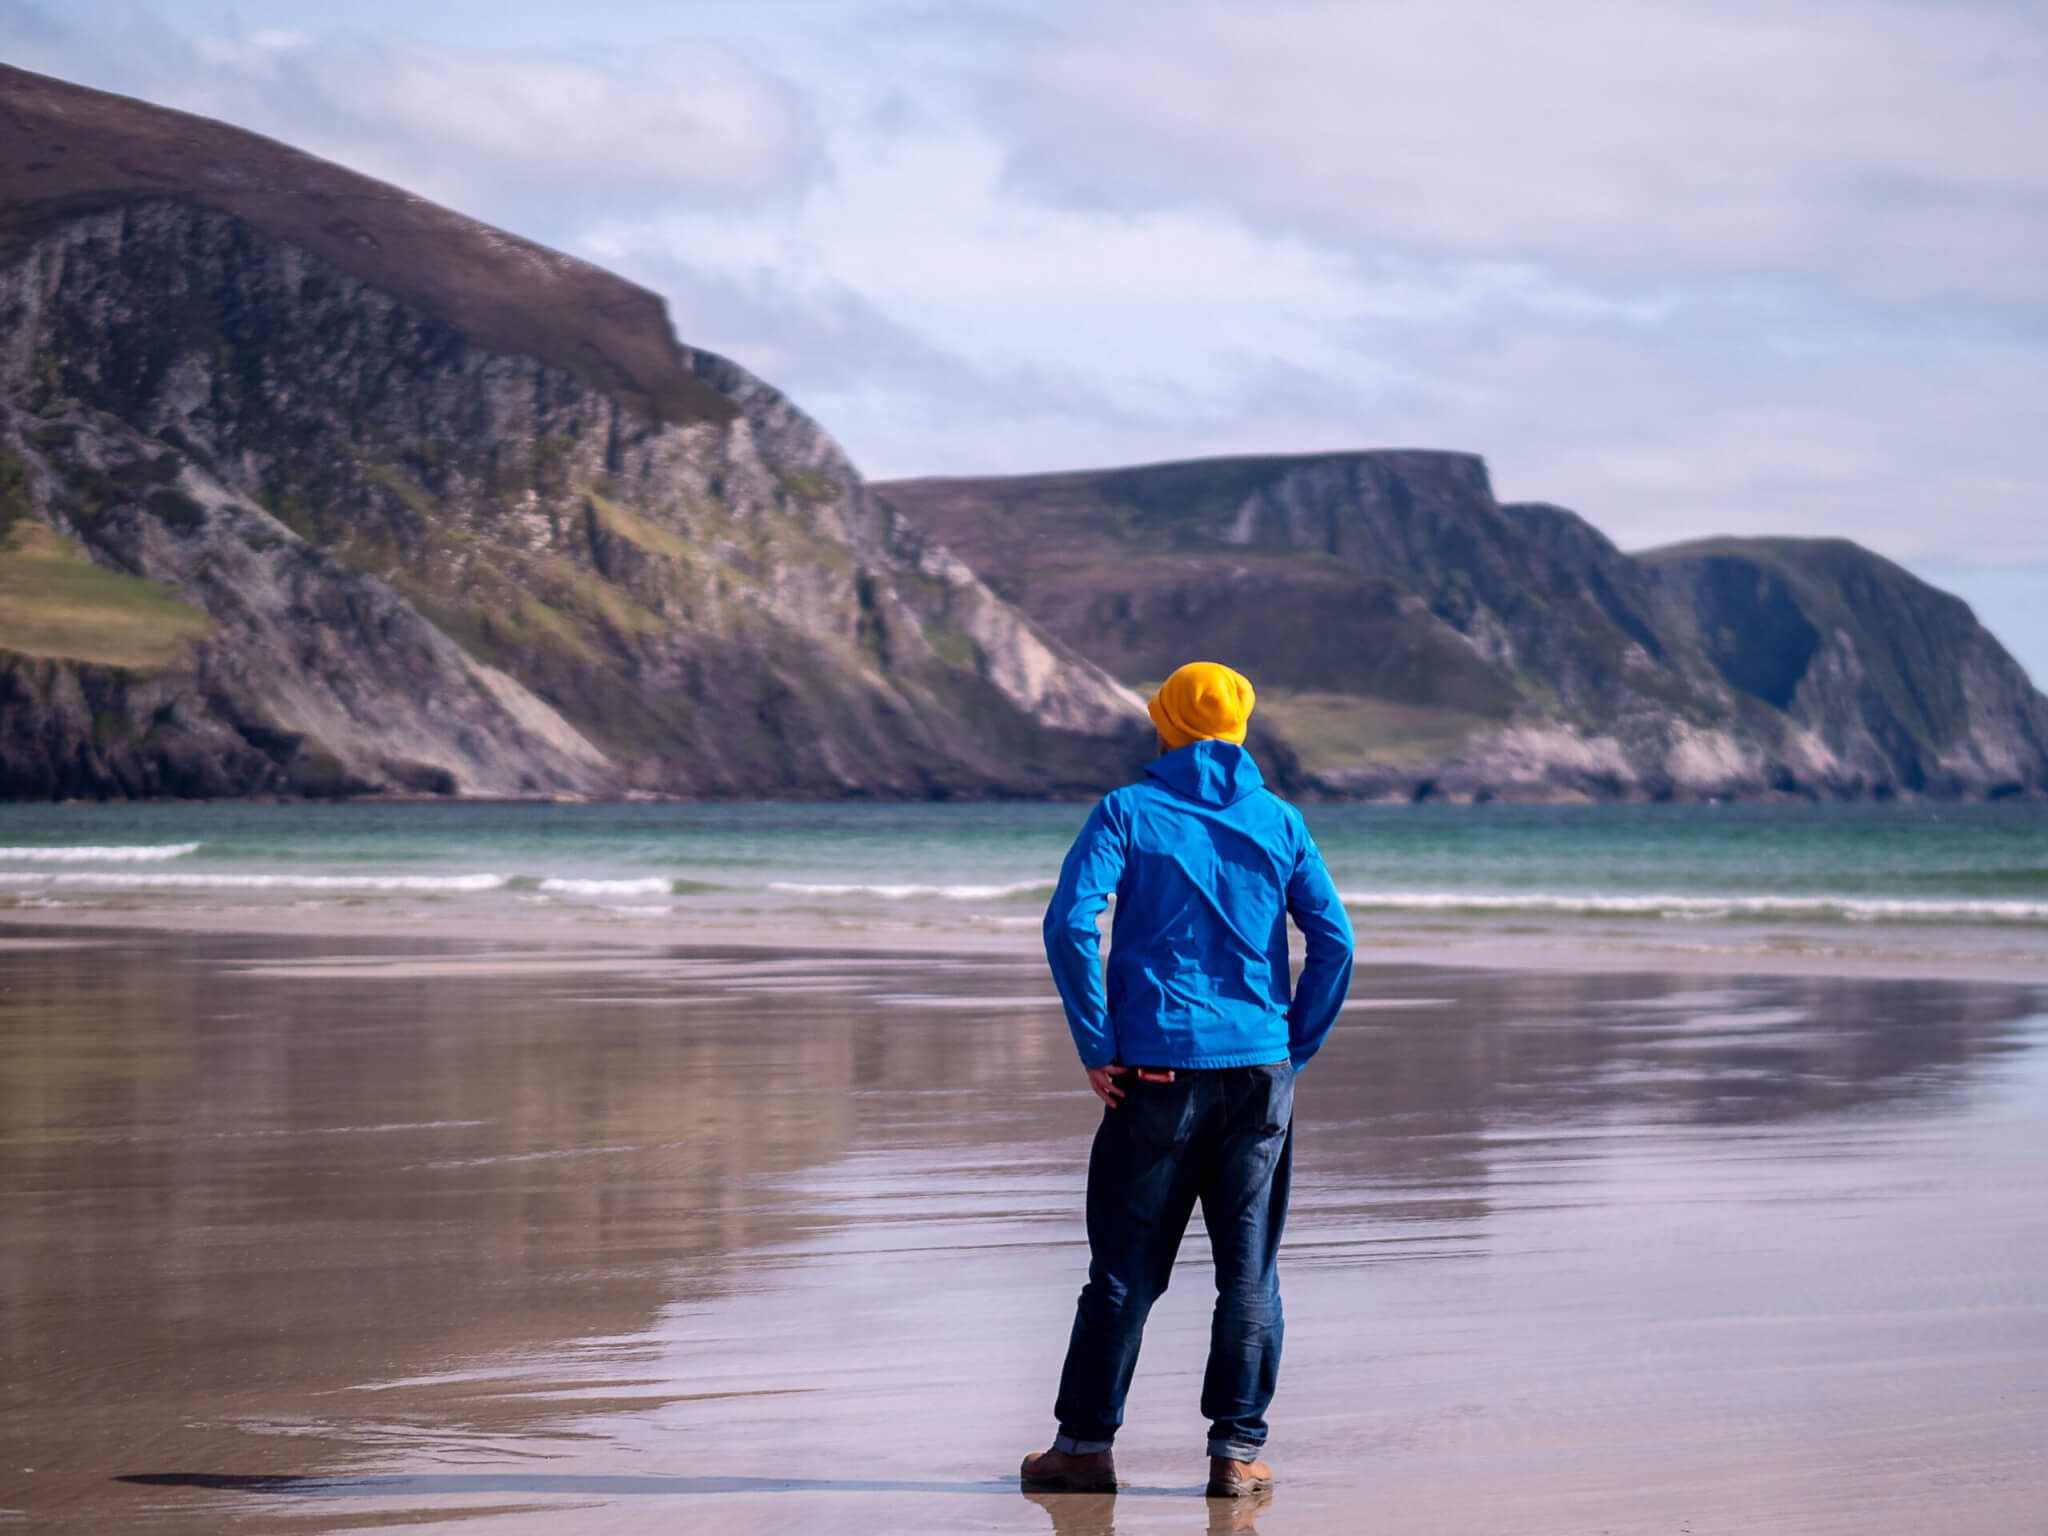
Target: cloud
[1153, 305]
[527, 135]
[1892, 146]
[1657, 440]
[904, 400]
[939, 325]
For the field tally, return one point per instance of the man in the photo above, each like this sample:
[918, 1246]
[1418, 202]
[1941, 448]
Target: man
[1192, 1047]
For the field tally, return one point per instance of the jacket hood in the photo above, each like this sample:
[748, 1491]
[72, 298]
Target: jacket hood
[1213, 772]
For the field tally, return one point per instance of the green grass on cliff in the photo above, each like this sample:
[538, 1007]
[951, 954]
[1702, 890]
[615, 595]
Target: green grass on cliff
[398, 483]
[1333, 732]
[641, 532]
[55, 603]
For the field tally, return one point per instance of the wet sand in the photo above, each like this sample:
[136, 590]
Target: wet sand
[554, 939]
[322, 1234]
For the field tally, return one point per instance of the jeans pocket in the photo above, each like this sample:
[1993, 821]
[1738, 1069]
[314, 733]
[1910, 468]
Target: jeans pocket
[1159, 1113]
[1276, 1108]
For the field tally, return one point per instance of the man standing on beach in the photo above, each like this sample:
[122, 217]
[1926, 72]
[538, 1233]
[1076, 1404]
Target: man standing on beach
[1192, 1046]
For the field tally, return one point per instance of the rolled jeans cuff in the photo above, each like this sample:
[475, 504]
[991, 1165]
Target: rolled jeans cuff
[1236, 1450]
[1068, 1445]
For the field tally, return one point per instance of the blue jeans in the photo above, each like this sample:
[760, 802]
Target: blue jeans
[1225, 1138]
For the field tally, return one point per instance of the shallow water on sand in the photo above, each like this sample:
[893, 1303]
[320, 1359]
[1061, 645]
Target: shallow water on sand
[1958, 890]
[318, 1236]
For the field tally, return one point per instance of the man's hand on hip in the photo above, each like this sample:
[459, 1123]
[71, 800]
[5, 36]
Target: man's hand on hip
[1103, 1081]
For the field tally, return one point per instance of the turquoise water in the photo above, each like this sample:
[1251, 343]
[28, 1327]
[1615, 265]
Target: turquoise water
[986, 865]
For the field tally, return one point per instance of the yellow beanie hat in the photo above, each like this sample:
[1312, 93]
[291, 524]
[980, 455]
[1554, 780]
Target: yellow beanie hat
[1202, 701]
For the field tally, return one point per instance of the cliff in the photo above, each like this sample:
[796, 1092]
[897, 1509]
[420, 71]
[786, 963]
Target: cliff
[1414, 638]
[1910, 693]
[309, 486]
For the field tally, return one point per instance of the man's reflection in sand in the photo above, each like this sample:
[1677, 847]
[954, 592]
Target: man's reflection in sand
[1094, 1514]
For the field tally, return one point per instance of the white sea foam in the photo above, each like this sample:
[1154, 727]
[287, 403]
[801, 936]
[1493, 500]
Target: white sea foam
[905, 892]
[1818, 906]
[568, 887]
[147, 853]
[226, 882]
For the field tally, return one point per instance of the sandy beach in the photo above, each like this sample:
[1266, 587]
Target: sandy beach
[337, 1230]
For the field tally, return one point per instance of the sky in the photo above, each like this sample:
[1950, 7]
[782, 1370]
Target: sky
[1687, 267]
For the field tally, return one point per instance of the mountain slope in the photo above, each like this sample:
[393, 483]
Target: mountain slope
[67, 151]
[1414, 637]
[1909, 690]
[445, 511]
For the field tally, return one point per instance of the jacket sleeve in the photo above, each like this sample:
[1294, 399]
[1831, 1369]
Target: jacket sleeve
[1073, 942]
[1318, 911]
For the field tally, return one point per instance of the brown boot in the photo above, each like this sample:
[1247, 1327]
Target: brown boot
[1235, 1479]
[1056, 1471]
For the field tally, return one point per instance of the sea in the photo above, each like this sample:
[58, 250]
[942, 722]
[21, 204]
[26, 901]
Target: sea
[1898, 880]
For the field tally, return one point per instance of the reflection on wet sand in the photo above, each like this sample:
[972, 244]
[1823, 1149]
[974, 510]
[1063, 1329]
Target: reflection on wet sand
[1081, 1514]
[1095, 1514]
[325, 1237]
[1073, 1514]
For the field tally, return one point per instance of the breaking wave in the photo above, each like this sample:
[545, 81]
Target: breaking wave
[224, 882]
[1815, 907]
[147, 853]
[905, 892]
[571, 887]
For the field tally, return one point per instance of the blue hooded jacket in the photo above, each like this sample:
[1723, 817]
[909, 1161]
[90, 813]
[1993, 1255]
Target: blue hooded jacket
[1206, 865]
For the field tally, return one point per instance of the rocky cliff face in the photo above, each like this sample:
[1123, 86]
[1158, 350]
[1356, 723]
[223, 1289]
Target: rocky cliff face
[1909, 692]
[1414, 638]
[344, 492]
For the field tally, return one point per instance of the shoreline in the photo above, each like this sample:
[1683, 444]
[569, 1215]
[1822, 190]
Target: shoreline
[1305, 792]
[526, 946]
